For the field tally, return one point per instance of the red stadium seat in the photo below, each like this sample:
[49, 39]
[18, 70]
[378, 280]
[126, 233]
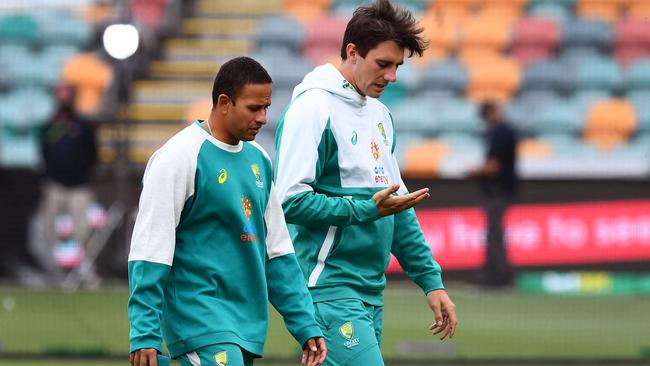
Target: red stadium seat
[324, 39]
[632, 40]
[534, 39]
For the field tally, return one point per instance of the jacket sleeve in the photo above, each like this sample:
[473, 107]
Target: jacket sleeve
[412, 251]
[301, 153]
[286, 284]
[166, 186]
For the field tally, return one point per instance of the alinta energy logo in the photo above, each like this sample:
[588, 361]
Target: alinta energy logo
[223, 176]
[374, 148]
[221, 358]
[250, 233]
[347, 331]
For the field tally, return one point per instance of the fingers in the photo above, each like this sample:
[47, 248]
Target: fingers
[322, 348]
[385, 193]
[132, 359]
[314, 352]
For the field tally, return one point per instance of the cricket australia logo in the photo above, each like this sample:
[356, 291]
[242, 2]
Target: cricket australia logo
[374, 148]
[221, 358]
[382, 131]
[347, 331]
[258, 175]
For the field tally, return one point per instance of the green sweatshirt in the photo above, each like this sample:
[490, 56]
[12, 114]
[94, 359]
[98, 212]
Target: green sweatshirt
[210, 247]
[334, 151]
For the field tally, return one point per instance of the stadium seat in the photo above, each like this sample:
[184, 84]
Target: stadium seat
[482, 33]
[19, 28]
[533, 148]
[286, 68]
[447, 75]
[610, 123]
[642, 108]
[280, 32]
[459, 115]
[561, 116]
[415, 116]
[200, 109]
[534, 39]
[442, 36]
[606, 10]
[494, 78]
[504, 11]
[58, 27]
[523, 113]
[545, 75]
[556, 12]
[632, 40]
[306, 12]
[637, 76]
[324, 39]
[587, 33]
[26, 108]
[423, 158]
[638, 9]
[598, 74]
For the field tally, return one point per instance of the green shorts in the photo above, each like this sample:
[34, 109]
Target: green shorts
[220, 354]
[352, 331]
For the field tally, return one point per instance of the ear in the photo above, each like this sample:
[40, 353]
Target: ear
[352, 52]
[223, 102]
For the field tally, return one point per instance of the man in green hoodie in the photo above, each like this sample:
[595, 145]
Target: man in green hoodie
[342, 193]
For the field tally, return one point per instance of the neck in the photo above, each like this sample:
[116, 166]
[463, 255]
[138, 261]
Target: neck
[213, 129]
[346, 70]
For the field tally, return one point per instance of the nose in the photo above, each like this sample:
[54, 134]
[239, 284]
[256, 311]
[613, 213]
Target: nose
[261, 117]
[391, 74]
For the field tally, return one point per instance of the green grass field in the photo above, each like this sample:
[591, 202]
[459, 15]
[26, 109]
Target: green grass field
[502, 325]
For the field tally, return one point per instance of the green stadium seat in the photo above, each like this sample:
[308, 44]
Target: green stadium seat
[19, 28]
[561, 116]
[598, 74]
[637, 76]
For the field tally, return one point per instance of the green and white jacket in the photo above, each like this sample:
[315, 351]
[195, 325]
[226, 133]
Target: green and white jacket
[210, 247]
[334, 151]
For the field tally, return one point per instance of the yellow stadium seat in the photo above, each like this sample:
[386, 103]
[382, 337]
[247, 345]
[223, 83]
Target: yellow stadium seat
[492, 77]
[533, 148]
[200, 109]
[609, 123]
[423, 159]
[606, 10]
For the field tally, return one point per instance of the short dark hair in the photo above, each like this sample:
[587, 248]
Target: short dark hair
[235, 74]
[487, 108]
[379, 22]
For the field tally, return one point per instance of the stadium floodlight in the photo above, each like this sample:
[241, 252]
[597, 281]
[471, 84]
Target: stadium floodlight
[121, 40]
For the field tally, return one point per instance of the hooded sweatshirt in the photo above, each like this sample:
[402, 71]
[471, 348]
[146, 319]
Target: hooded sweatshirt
[334, 152]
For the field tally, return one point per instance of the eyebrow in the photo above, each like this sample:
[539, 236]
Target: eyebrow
[390, 62]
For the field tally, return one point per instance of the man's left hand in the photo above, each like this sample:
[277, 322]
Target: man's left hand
[445, 314]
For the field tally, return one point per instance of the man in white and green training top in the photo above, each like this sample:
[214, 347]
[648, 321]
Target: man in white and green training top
[342, 193]
[210, 245]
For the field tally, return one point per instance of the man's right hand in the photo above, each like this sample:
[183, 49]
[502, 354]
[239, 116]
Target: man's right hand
[144, 357]
[388, 204]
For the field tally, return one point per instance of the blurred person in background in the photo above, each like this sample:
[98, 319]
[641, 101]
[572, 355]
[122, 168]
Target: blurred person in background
[497, 179]
[69, 149]
[342, 192]
[210, 246]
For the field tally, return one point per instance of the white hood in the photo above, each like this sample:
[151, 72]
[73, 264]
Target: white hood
[327, 77]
